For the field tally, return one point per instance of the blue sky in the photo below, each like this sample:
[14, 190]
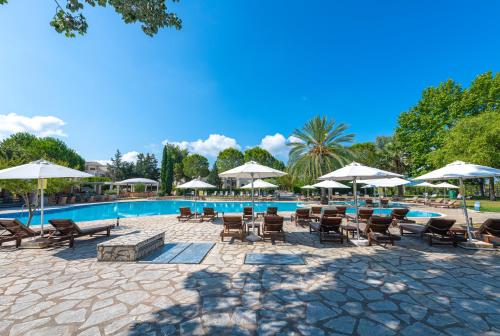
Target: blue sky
[238, 73]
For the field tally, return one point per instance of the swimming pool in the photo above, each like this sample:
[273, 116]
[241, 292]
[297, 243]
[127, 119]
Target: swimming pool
[90, 212]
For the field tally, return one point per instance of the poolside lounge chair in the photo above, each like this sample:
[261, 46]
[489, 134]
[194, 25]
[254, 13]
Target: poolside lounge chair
[341, 209]
[436, 229]
[369, 202]
[273, 228]
[185, 215]
[437, 202]
[451, 204]
[302, 216]
[489, 231]
[384, 203]
[399, 216]
[209, 214]
[316, 212]
[330, 212]
[233, 227]
[377, 230]
[15, 230]
[66, 229]
[247, 213]
[364, 214]
[328, 228]
[272, 211]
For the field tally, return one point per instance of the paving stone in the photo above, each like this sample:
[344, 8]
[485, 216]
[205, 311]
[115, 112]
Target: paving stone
[384, 305]
[353, 308]
[269, 327]
[71, 316]
[388, 320]
[133, 297]
[369, 328]
[308, 330]
[317, 311]
[415, 311]
[372, 294]
[344, 324]
[94, 331]
[440, 320]
[21, 328]
[50, 331]
[105, 314]
[420, 329]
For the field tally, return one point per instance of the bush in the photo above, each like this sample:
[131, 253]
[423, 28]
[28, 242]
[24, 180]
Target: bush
[140, 187]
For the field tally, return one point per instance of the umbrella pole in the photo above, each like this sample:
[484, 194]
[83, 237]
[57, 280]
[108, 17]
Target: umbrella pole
[253, 208]
[469, 236]
[356, 206]
[40, 183]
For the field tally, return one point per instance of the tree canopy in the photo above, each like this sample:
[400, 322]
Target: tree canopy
[151, 14]
[423, 129]
[146, 166]
[320, 148]
[195, 166]
[229, 158]
[263, 157]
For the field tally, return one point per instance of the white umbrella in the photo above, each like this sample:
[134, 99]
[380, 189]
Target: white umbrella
[137, 180]
[446, 186]
[196, 185]
[387, 182]
[461, 170]
[425, 184]
[308, 187]
[330, 185]
[357, 172]
[260, 184]
[252, 170]
[40, 170]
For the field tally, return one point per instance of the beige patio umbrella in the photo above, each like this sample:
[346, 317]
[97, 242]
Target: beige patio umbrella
[196, 185]
[40, 170]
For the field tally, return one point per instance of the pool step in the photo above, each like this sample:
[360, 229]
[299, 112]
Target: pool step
[179, 253]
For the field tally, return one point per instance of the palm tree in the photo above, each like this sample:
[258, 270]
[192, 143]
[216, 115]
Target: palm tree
[318, 148]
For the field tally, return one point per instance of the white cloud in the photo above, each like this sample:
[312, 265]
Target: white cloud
[130, 156]
[103, 162]
[38, 125]
[277, 145]
[209, 147]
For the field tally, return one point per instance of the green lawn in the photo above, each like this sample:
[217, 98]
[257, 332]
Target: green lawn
[490, 206]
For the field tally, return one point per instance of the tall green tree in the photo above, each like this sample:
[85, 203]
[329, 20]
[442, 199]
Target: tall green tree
[474, 139]
[167, 170]
[365, 153]
[147, 166]
[423, 129]
[151, 14]
[263, 157]
[195, 166]
[229, 158]
[320, 148]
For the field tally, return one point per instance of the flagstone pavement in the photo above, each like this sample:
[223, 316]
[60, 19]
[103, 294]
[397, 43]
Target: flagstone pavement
[408, 289]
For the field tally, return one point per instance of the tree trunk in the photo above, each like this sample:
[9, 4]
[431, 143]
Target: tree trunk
[27, 202]
[481, 187]
[492, 189]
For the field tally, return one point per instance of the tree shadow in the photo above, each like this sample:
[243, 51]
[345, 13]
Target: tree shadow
[383, 290]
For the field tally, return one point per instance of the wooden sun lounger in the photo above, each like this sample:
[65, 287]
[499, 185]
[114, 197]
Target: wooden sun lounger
[328, 228]
[272, 211]
[330, 213]
[185, 215]
[489, 231]
[273, 228]
[451, 204]
[364, 214]
[341, 209]
[377, 230]
[302, 216]
[71, 230]
[316, 212]
[14, 230]
[438, 229]
[399, 216]
[209, 214]
[233, 227]
[247, 213]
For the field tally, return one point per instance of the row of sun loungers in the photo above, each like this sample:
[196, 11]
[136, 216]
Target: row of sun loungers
[62, 230]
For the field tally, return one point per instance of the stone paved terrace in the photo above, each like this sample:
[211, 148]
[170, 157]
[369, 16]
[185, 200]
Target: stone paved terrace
[409, 289]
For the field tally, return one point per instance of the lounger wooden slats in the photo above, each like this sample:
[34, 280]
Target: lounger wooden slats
[489, 231]
[185, 215]
[15, 230]
[67, 229]
[377, 230]
[328, 228]
[247, 213]
[273, 228]
[209, 214]
[272, 211]
[302, 216]
[436, 229]
[316, 212]
[232, 227]
[341, 209]
[369, 202]
[330, 212]
[399, 216]
[364, 214]
[384, 203]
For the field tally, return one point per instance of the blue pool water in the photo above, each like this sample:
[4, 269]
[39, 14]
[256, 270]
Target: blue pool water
[91, 212]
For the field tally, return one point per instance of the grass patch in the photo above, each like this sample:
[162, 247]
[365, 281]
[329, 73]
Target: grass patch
[489, 206]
